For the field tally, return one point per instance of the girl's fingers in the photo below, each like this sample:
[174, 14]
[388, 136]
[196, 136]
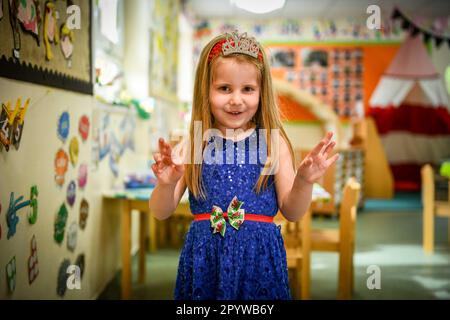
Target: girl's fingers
[157, 156]
[328, 148]
[317, 148]
[167, 160]
[155, 169]
[332, 159]
[326, 141]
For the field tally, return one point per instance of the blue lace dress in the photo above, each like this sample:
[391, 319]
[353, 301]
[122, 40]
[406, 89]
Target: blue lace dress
[245, 264]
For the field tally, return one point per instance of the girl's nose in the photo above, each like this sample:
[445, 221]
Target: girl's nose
[236, 99]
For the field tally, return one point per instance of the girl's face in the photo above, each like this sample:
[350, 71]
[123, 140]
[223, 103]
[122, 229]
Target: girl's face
[234, 93]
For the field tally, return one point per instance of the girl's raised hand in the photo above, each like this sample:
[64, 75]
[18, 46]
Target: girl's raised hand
[167, 168]
[314, 165]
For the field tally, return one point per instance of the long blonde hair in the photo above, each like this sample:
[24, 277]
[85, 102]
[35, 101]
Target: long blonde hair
[267, 116]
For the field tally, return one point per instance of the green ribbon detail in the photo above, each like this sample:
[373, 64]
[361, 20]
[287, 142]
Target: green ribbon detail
[235, 217]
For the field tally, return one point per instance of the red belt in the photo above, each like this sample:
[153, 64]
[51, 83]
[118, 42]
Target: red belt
[248, 216]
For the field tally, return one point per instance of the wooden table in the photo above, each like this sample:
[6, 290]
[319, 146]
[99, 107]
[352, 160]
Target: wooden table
[137, 199]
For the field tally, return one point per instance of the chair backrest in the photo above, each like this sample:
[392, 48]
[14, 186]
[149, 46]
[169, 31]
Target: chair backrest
[427, 174]
[348, 210]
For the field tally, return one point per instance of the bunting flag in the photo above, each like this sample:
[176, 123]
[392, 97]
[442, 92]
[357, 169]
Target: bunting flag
[409, 25]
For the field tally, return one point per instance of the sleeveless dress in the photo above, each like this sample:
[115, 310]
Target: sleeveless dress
[244, 264]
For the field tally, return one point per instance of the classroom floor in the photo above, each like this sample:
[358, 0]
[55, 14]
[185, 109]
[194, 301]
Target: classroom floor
[389, 235]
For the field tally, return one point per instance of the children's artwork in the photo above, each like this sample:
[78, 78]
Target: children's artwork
[163, 49]
[73, 150]
[11, 217]
[71, 193]
[62, 278]
[51, 33]
[113, 165]
[63, 126]
[82, 175]
[33, 267]
[28, 14]
[61, 164]
[104, 143]
[95, 149]
[282, 58]
[83, 127]
[72, 236]
[84, 213]
[333, 74]
[60, 224]
[64, 24]
[32, 215]
[11, 274]
[11, 123]
[67, 39]
[80, 263]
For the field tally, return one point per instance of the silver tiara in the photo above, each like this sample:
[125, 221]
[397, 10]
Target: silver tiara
[236, 43]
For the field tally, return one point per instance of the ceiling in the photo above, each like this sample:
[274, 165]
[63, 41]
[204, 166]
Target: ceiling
[321, 8]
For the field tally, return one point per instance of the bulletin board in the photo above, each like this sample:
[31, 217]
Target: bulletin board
[47, 42]
[340, 75]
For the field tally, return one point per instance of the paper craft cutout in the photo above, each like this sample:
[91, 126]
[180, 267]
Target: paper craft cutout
[82, 175]
[80, 263]
[11, 218]
[62, 278]
[11, 274]
[61, 164]
[73, 150]
[113, 165]
[19, 123]
[83, 127]
[51, 32]
[104, 142]
[60, 224]
[71, 193]
[33, 267]
[84, 213]
[32, 215]
[72, 236]
[27, 13]
[11, 123]
[63, 126]
[67, 38]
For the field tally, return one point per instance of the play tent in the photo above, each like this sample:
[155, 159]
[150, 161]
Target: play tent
[411, 109]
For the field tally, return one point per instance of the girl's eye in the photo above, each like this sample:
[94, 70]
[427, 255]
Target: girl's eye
[224, 89]
[249, 89]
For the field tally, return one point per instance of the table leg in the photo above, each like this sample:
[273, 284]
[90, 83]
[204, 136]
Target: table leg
[142, 248]
[126, 250]
[152, 235]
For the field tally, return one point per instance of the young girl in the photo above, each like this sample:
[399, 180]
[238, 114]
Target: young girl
[233, 250]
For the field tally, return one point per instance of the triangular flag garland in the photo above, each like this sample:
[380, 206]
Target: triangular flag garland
[408, 24]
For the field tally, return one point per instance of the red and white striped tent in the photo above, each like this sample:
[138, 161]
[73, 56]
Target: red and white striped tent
[410, 106]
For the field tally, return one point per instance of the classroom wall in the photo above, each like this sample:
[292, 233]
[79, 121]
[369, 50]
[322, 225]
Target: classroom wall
[33, 164]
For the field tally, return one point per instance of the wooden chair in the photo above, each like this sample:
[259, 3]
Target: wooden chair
[298, 252]
[341, 240]
[431, 208]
